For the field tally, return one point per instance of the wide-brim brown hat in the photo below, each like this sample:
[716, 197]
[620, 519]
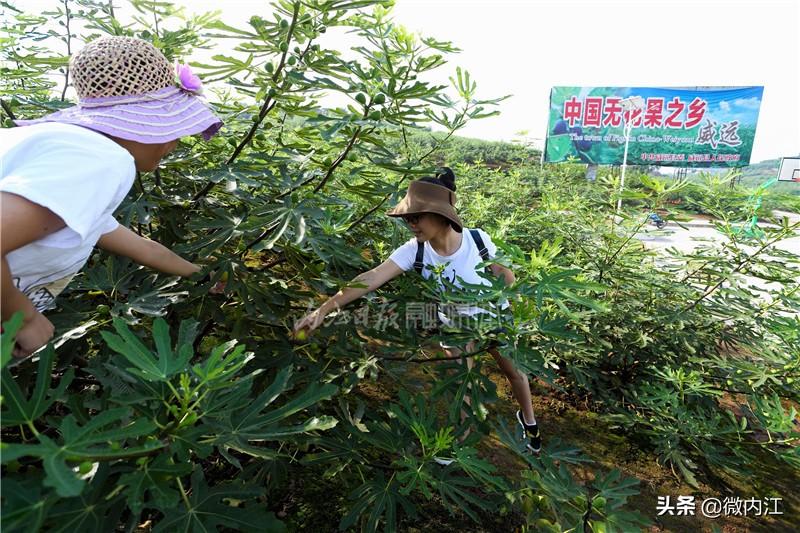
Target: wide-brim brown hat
[423, 197]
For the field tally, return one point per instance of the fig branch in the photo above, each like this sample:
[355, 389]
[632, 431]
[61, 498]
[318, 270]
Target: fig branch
[269, 101]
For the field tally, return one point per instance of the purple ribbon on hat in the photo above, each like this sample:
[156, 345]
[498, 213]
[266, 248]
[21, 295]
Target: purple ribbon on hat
[186, 79]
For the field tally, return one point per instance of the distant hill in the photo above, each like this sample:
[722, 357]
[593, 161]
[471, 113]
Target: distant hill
[494, 154]
[757, 173]
[505, 155]
[764, 169]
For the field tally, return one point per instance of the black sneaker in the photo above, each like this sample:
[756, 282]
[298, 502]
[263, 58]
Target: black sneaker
[530, 433]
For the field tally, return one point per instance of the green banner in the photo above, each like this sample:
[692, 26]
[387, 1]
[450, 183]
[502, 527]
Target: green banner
[667, 127]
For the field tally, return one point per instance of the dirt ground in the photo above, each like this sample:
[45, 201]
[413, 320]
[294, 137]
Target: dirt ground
[587, 431]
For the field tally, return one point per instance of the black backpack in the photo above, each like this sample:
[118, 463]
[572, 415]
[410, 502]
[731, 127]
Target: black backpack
[418, 265]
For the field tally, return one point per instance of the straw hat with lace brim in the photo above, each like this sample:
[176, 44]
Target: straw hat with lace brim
[423, 197]
[128, 89]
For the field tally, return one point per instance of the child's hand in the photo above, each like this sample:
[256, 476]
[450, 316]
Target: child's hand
[34, 334]
[307, 324]
[219, 287]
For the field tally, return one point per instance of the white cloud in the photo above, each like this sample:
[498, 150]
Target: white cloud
[747, 103]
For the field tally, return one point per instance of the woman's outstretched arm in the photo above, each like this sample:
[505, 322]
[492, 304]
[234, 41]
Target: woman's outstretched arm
[371, 279]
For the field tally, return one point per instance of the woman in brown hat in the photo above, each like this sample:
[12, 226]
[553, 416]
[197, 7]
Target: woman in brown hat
[440, 245]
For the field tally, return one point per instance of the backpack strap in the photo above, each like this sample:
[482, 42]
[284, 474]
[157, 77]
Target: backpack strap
[418, 260]
[476, 236]
[479, 243]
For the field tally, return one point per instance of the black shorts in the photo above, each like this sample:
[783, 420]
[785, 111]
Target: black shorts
[494, 343]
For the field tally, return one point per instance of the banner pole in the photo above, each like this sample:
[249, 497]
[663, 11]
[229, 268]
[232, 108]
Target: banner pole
[624, 164]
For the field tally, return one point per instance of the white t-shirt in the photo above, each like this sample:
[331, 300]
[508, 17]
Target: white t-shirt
[461, 264]
[78, 174]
